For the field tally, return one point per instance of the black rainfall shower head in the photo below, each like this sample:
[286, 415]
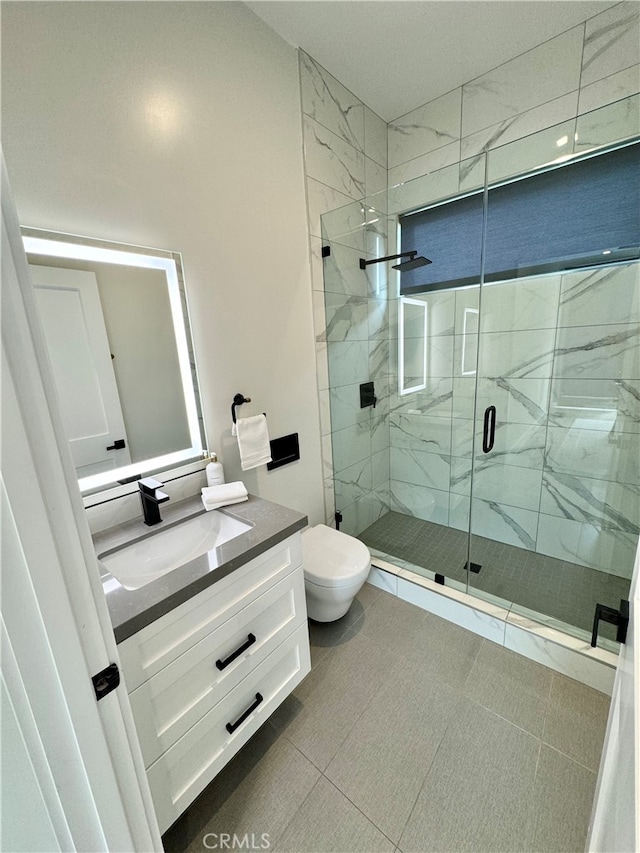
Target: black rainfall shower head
[412, 264]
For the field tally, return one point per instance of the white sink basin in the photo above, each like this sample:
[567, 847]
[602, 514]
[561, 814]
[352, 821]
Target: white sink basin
[145, 560]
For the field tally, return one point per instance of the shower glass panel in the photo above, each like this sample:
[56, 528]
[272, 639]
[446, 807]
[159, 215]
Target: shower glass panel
[499, 448]
[392, 463]
[555, 510]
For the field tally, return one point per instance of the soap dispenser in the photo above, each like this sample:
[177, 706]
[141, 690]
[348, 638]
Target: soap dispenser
[215, 471]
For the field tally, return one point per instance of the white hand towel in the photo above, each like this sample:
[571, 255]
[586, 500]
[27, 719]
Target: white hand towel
[253, 441]
[209, 506]
[213, 497]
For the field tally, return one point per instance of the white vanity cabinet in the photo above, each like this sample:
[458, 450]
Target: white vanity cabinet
[204, 677]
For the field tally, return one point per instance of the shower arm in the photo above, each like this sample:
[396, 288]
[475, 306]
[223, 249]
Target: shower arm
[364, 264]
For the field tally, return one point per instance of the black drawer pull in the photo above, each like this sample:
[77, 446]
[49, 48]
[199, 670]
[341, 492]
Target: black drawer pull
[231, 727]
[489, 429]
[221, 664]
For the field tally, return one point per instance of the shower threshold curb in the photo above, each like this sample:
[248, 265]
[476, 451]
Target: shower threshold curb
[561, 652]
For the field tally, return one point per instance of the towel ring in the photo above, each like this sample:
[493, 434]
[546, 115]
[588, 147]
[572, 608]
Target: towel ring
[238, 400]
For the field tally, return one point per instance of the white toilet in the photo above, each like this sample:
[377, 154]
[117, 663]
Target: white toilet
[335, 567]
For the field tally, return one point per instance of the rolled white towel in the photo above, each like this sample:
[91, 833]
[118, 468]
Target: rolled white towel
[213, 497]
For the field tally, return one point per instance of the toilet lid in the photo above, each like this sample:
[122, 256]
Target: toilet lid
[331, 558]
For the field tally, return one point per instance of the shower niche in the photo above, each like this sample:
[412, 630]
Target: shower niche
[503, 452]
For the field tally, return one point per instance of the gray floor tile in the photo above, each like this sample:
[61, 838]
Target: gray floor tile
[325, 635]
[511, 685]
[394, 623]
[563, 797]
[384, 761]
[476, 796]
[328, 823]
[444, 651]
[326, 706]
[576, 720]
[258, 792]
[368, 594]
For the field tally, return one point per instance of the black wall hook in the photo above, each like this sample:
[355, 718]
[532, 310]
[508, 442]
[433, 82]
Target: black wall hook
[238, 400]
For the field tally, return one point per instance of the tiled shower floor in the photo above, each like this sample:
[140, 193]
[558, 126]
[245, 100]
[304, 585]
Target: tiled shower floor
[562, 590]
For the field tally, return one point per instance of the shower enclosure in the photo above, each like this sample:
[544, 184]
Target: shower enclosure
[485, 408]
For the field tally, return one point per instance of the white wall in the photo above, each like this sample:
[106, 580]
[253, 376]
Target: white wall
[178, 126]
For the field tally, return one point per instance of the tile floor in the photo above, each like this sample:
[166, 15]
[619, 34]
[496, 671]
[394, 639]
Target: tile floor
[566, 591]
[411, 734]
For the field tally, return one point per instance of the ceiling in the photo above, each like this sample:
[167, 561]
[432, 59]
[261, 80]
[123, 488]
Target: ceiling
[396, 55]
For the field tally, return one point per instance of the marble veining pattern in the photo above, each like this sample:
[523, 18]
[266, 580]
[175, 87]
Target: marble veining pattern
[493, 520]
[598, 352]
[420, 468]
[419, 501]
[521, 354]
[447, 155]
[617, 86]
[344, 227]
[338, 113]
[513, 388]
[536, 77]
[375, 137]
[518, 126]
[613, 458]
[612, 123]
[333, 161]
[342, 273]
[347, 318]
[611, 42]
[351, 445]
[519, 305]
[354, 482]
[429, 127]
[605, 295]
[330, 103]
[598, 502]
[421, 433]
[348, 362]
[434, 401]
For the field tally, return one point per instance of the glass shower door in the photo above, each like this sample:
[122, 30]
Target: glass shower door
[555, 509]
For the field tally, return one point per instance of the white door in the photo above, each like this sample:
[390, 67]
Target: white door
[72, 775]
[74, 328]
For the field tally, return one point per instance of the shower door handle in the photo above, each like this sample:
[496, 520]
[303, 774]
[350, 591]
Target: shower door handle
[489, 430]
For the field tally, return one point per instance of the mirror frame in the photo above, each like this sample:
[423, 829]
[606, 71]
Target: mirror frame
[56, 244]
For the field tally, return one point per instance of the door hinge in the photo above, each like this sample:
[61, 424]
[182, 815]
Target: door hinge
[106, 681]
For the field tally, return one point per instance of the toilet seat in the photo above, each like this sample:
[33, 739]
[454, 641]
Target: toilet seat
[333, 559]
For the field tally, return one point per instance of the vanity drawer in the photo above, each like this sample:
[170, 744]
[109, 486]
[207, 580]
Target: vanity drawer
[167, 705]
[158, 644]
[179, 775]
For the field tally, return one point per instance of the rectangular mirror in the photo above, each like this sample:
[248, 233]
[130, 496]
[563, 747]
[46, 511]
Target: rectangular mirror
[116, 325]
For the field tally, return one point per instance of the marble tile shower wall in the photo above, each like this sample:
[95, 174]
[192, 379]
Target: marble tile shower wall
[559, 357]
[532, 102]
[345, 155]
[562, 80]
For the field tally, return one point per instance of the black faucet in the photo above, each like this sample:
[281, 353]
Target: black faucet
[151, 498]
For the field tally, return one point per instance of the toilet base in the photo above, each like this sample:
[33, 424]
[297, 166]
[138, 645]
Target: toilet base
[327, 611]
[328, 604]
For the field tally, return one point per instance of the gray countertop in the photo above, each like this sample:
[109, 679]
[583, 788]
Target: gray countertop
[132, 610]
